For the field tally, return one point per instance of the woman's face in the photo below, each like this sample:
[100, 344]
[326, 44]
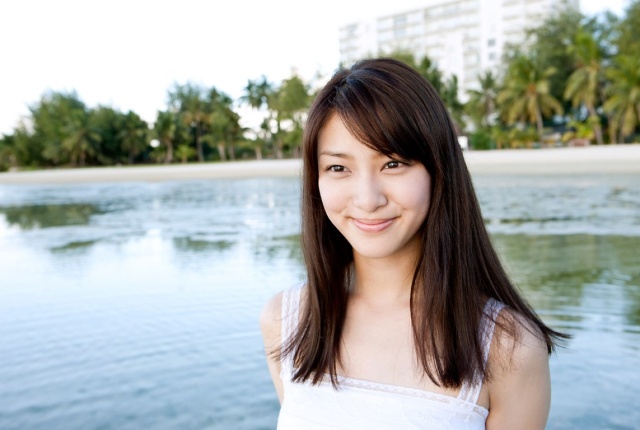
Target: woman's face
[377, 203]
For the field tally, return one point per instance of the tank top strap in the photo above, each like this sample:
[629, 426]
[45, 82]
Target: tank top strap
[290, 318]
[470, 391]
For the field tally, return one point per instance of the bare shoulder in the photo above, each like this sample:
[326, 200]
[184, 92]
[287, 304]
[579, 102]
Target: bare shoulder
[520, 387]
[271, 320]
[518, 340]
[270, 323]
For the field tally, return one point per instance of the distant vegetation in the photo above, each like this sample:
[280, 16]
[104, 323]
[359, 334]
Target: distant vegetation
[576, 81]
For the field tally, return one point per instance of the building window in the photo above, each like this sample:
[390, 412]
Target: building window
[399, 32]
[491, 42]
[399, 20]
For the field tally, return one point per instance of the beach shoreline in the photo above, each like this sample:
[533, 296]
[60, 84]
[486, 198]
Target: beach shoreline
[608, 159]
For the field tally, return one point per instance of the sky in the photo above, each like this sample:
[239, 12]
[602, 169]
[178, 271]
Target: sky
[128, 53]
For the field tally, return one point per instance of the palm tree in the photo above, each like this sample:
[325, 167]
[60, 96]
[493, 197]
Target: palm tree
[81, 139]
[526, 95]
[522, 138]
[500, 136]
[261, 95]
[482, 102]
[133, 135]
[53, 119]
[258, 93]
[451, 101]
[164, 130]
[224, 123]
[291, 106]
[184, 152]
[285, 106]
[188, 101]
[624, 93]
[8, 157]
[584, 83]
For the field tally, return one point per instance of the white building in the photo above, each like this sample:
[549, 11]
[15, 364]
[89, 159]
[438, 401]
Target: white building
[462, 37]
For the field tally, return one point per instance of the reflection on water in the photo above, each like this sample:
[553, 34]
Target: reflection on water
[128, 306]
[554, 270]
[75, 247]
[187, 244]
[42, 216]
[591, 204]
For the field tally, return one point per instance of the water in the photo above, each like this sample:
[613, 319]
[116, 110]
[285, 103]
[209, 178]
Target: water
[129, 306]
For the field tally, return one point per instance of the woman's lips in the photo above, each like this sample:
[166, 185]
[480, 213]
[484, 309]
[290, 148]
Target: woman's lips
[372, 225]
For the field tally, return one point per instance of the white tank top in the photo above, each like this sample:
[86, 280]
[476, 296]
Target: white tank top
[359, 404]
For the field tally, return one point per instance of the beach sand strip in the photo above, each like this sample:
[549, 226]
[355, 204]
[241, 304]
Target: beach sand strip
[610, 159]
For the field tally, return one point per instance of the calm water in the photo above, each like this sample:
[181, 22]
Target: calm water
[131, 306]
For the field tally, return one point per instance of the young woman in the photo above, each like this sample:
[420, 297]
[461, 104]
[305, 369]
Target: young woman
[407, 318]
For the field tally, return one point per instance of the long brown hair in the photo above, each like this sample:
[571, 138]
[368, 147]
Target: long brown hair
[389, 107]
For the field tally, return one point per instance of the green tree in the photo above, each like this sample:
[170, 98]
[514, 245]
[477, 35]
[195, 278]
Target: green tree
[578, 131]
[261, 95]
[522, 137]
[164, 129]
[526, 96]
[185, 152]
[624, 94]
[628, 41]
[8, 159]
[189, 103]
[258, 93]
[584, 84]
[107, 122]
[500, 136]
[81, 138]
[452, 102]
[481, 105]
[52, 119]
[549, 44]
[133, 135]
[223, 124]
[283, 107]
[291, 104]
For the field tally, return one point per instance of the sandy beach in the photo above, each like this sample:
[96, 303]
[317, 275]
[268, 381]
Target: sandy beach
[592, 159]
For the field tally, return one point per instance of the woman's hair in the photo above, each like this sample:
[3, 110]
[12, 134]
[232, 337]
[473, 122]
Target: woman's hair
[390, 108]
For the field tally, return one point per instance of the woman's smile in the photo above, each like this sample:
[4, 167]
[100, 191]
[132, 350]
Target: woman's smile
[373, 225]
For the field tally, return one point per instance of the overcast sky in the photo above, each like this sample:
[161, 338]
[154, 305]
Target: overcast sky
[128, 53]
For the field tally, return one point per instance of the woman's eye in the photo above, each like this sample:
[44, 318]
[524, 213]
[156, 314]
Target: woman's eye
[392, 165]
[336, 168]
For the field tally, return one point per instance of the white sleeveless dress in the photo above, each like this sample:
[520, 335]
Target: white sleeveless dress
[359, 404]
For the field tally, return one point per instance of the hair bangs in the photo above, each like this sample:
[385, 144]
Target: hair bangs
[369, 107]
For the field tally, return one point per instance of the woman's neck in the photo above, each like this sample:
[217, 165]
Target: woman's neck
[384, 280]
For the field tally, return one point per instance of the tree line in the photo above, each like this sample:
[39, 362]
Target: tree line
[198, 124]
[576, 79]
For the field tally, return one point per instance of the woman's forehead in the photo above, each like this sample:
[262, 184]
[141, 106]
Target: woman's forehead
[336, 139]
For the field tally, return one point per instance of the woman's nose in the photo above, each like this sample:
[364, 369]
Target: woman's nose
[369, 194]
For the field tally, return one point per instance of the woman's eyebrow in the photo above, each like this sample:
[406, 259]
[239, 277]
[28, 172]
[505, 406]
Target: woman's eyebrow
[335, 154]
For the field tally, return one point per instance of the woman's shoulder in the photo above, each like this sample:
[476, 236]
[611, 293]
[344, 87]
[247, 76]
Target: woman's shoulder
[516, 330]
[516, 339]
[271, 316]
[519, 369]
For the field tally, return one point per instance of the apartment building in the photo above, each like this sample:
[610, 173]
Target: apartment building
[463, 37]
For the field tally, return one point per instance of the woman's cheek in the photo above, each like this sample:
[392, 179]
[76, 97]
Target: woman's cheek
[326, 195]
